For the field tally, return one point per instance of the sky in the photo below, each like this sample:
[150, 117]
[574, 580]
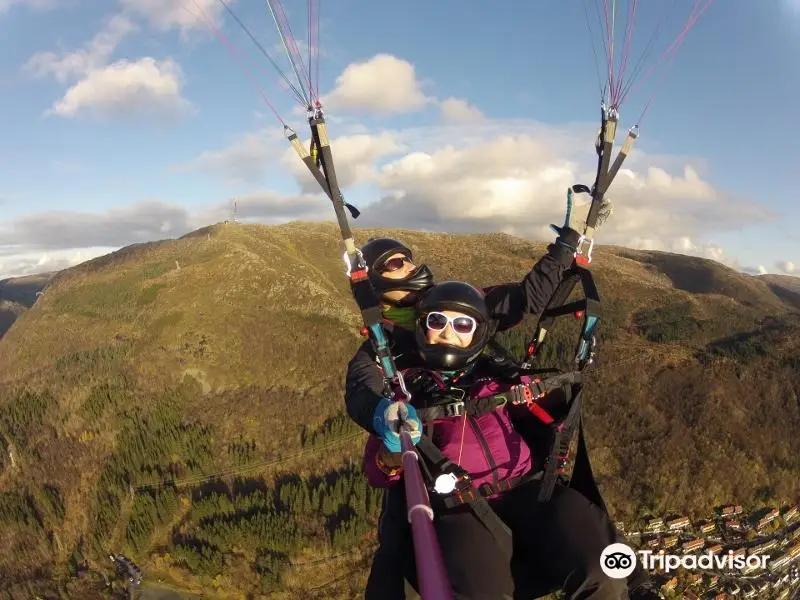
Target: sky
[128, 121]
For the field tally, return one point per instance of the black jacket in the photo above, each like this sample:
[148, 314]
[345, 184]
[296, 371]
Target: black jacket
[508, 304]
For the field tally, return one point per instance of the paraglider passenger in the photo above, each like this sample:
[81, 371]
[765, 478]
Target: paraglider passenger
[562, 538]
[505, 305]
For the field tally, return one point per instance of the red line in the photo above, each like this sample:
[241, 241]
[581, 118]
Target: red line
[232, 49]
[674, 49]
[626, 50]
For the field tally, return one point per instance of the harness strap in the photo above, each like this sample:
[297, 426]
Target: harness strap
[458, 408]
[487, 489]
[476, 502]
[560, 449]
[523, 393]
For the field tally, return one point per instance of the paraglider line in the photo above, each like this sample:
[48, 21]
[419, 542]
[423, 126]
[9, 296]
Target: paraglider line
[289, 46]
[626, 47]
[673, 50]
[233, 50]
[670, 53]
[316, 53]
[594, 51]
[609, 47]
[605, 46]
[640, 63]
[264, 52]
[313, 49]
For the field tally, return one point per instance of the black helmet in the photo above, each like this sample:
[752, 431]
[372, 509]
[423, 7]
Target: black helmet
[375, 253]
[456, 296]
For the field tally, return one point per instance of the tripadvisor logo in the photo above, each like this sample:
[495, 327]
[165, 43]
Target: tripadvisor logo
[619, 560]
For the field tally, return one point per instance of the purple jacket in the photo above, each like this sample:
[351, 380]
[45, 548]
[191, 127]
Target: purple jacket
[487, 446]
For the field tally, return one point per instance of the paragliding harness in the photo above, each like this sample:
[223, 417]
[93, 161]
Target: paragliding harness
[451, 486]
[460, 489]
[449, 483]
[420, 462]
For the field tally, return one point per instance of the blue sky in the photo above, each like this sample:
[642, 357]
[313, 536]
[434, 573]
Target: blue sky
[158, 126]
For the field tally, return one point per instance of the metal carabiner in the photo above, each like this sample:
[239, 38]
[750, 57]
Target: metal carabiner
[349, 265]
[584, 257]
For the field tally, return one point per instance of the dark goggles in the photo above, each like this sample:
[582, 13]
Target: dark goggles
[394, 264]
[463, 325]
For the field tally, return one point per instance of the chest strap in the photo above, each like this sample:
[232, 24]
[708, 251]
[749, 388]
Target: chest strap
[523, 393]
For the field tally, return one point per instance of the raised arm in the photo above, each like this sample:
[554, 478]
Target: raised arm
[508, 303]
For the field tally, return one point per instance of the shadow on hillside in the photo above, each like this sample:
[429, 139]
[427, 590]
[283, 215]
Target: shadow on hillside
[758, 343]
[786, 295]
[7, 318]
[687, 273]
[24, 290]
[698, 275]
[17, 294]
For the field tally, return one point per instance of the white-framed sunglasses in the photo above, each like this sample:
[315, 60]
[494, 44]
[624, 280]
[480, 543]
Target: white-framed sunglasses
[463, 324]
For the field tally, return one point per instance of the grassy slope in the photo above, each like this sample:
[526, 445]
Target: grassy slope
[693, 401]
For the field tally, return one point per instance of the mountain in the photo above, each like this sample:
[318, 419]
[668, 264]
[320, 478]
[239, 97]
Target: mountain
[784, 286]
[17, 294]
[181, 402]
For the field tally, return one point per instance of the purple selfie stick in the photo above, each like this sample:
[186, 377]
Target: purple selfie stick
[431, 572]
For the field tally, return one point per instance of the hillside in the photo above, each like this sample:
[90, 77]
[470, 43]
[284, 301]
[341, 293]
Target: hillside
[786, 287]
[17, 294]
[181, 402]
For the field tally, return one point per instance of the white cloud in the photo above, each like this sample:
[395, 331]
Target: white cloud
[382, 84]
[494, 175]
[30, 263]
[178, 14]
[57, 230]
[80, 63]
[266, 207]
[759, 270]
[354, 157]
[490, 180]
[512, 176]
[250, 157]
[246, 160]
[54, 240]
[129, 88]
[786, 267]
[457, 110]
[145, 87]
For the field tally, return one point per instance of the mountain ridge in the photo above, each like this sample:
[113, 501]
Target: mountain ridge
[226, 348]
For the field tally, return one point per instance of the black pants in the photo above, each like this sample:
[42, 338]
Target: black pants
[558, 543]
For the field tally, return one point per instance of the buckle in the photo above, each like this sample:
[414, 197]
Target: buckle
[454, 409]
[521, 394]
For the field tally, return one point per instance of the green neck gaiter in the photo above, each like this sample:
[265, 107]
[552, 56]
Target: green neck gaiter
[404, 317]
